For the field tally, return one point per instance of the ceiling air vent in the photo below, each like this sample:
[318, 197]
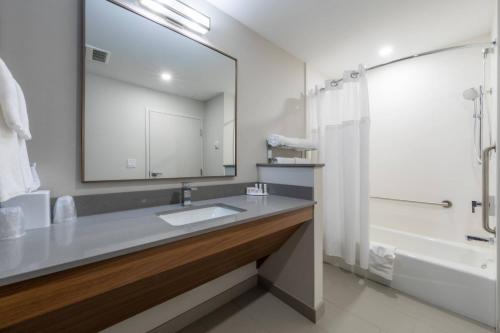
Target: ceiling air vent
[97, 55]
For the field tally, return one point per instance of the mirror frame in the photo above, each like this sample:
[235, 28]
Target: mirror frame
[82, 96]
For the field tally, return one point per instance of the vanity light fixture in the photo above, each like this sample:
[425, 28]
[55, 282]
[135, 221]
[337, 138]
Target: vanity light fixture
[166, 76]
[385, 51]
[180, 14]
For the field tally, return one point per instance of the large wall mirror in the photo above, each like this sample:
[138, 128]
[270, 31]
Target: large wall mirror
[157, 104]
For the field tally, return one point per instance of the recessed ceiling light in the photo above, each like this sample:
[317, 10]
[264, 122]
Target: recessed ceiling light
[385, 51]
[166, 76]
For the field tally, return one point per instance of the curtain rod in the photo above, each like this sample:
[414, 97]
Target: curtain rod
[449, 48]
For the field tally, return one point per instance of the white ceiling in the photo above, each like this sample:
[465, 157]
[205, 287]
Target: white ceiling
[141, 50]
[334, 35]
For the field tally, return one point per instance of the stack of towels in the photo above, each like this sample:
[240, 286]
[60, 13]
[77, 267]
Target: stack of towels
[291, 160]
[276, 140]
[280, 141]
[16, 176]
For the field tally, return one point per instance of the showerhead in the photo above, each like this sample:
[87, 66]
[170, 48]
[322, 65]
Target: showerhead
[471, 94]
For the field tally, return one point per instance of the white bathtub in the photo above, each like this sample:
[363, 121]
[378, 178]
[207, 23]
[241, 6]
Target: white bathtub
[454, 276]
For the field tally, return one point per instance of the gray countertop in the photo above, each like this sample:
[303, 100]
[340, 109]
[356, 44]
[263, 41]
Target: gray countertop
[98, 237]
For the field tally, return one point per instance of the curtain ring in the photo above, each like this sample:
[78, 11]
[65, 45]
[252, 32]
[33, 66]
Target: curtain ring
[334, 84]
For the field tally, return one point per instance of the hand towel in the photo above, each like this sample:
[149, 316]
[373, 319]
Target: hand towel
[284, 160]
[381, 260]
[15, 171]
[276, 140]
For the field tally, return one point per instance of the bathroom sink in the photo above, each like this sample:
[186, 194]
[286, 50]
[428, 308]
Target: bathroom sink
[198, 214]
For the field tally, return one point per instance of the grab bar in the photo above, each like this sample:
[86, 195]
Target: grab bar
[444, 203]
[486, 189]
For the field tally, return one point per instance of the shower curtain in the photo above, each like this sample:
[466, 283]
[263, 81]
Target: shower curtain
[339, 119]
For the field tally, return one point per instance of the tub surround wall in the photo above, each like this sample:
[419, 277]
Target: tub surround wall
[426, 93]
[422, 144]
[47, 65]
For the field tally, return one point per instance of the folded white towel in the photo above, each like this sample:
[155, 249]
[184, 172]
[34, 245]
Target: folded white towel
[276, 140]
[15, 171]
[381, 260]
[284, 160]
[291, 160]
[299, 160]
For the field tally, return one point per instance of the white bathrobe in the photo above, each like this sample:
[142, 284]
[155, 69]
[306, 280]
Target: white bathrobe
[15, 172]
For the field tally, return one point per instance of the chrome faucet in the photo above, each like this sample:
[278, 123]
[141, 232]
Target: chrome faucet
[186, 193]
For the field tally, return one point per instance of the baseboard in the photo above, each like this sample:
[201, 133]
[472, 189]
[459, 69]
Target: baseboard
[310, 313]
[198, 312]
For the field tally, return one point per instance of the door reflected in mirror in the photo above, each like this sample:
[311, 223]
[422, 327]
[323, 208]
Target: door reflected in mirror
[157, 104]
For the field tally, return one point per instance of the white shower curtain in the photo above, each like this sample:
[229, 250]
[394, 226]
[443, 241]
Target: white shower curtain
[339, 119]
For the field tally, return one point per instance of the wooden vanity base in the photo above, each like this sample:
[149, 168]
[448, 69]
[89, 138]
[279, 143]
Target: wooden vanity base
[95, 296]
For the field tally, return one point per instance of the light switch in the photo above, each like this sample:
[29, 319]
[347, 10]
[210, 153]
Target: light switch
[131, 163]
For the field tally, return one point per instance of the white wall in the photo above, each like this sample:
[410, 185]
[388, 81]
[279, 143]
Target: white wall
[41, 40]
[116, 126]
[213, 136]
[422, 144]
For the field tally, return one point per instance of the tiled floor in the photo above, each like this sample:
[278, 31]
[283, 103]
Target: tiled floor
[351, 307]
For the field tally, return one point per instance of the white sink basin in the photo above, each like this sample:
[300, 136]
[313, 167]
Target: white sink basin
[198, 214]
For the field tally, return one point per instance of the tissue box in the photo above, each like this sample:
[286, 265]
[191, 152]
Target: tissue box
[35, 206]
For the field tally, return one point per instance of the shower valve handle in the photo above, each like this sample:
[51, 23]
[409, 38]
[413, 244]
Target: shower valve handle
[475, 204]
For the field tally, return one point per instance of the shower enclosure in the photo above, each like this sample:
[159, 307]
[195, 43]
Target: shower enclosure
[432, 172]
